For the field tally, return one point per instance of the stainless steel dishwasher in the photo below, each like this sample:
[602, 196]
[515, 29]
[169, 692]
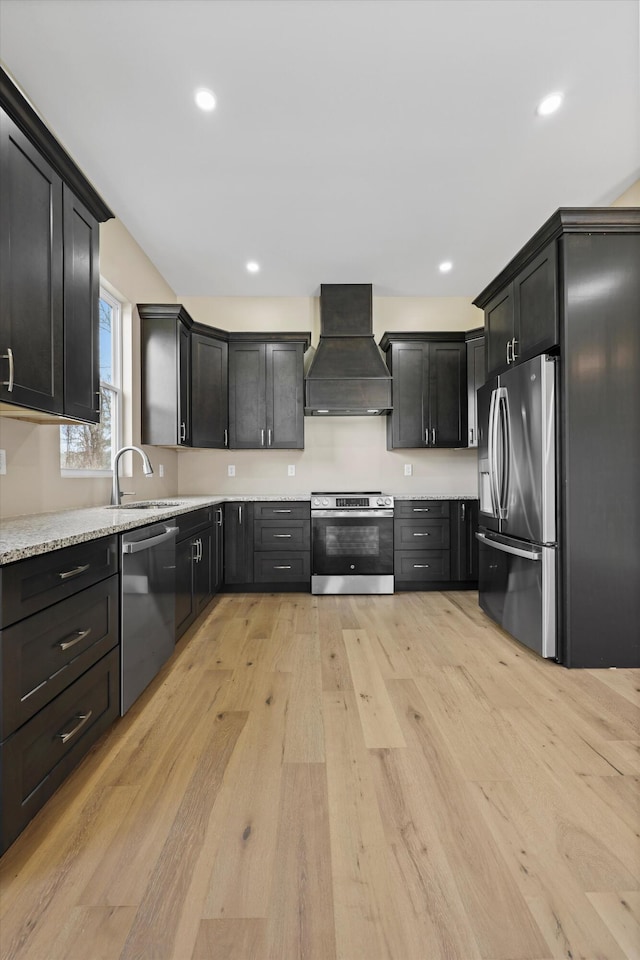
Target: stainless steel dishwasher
[147, 608]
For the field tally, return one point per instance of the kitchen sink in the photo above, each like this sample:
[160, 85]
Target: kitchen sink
[145, 505]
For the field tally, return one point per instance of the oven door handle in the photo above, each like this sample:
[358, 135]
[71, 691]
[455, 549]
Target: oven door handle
[360, 514]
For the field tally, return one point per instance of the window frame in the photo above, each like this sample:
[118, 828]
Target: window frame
[115, 388]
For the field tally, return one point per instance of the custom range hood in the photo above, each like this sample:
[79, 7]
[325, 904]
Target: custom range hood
[347, 376]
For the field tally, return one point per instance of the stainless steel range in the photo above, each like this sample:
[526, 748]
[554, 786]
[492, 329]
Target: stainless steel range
[352, 543]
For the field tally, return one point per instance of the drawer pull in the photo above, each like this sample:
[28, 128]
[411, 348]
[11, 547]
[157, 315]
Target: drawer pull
[74, 572]
[283, 566]
[82, 717]
[421, 534]
[421, 566]
[280, 511]
[282, 536]
[421, 509]
[79, 635]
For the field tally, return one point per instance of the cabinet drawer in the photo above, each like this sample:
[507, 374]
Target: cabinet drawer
[44, 653]
[425, 565]
[33, 584]
[38, 757]
[282, 567]
[282, 510]
[189, 523]
[421, 508]
[421, 534]
[281, 534]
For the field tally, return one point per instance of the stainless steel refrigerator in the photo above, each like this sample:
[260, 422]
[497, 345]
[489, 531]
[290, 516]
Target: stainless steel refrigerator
[518, 555]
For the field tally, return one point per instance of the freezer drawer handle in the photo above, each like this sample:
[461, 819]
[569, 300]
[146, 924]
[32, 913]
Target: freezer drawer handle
[75, 572]
[79, 635]
[82, 717]
[506, 548]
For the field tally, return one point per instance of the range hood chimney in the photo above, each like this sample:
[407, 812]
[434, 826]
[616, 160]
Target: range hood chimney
[347, 376]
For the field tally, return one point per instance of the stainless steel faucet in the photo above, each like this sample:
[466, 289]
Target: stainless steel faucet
[116, 493]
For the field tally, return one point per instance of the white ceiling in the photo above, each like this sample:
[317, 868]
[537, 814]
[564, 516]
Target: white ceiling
[358, 141]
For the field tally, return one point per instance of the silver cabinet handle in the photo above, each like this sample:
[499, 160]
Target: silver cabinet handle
[219, 517]
[421, 534]
[281, 511]
[463, 511]
[421, 509]
[426, 436]
[283, 566]
[194, 551]
[508, 351]
[240, 515]
[514, 355]
[269, 436]
[420, 566]
[471, 435]
[79, 635]
[226, 437]
[75, 572]
[9, 356]
[82, 717]
[262, 437]
[282, 536]
[433, 436]
[183, 432]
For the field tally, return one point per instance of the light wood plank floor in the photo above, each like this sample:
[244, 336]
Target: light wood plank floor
[361, 778]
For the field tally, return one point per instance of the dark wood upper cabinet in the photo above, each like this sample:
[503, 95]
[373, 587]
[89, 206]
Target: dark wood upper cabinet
[31, 260]
[475, 379]
[521, 320]
[81, 318]
[266, 394]
[429, 390]
[209, 408]
[49, 281]
[165, 343]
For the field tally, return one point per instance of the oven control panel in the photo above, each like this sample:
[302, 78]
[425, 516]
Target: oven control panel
[345, 501]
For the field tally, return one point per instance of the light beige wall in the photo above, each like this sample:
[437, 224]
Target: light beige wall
[33, 483]
[630, 198]
[340, 452]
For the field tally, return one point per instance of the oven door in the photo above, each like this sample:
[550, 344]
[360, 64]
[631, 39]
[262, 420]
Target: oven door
[352, 545]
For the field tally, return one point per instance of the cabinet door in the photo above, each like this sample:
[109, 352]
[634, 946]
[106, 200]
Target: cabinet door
[464, 523]
[247, 410]
[536, 305]
[447, 394]
[81, 292]
[203, 570]
[475, 379]
[217, 574]
[185, 608]
[184, 386]
[499, 321]
[209, 419]
[238, 543]
[31, 304]
[285, 395]
[410, 368]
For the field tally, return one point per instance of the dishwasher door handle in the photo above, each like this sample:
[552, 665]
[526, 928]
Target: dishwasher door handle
[138, 545]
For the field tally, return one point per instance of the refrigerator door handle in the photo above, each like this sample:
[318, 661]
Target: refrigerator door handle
[504, 432]
[532, 554]
[491, 454]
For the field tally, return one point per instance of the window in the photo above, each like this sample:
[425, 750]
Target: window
[87, 449]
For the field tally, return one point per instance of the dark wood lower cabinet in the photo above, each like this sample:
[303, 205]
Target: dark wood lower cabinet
[267, 546]
[434, 545]
[197, 564]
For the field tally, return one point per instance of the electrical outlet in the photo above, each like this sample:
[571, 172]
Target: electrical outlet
[231, 470]
[3, 462]
[291, 470]
[161, 469]
[408, 469]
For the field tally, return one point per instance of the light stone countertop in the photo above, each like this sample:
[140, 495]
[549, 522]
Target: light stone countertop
[33, 534]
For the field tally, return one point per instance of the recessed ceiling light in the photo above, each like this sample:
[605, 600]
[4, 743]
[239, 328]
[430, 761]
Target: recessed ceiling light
[549, 105]
[253, 267]
[445, 266]
[205, 99]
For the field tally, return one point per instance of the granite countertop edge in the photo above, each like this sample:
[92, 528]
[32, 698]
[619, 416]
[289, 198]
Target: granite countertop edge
[33, 534]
